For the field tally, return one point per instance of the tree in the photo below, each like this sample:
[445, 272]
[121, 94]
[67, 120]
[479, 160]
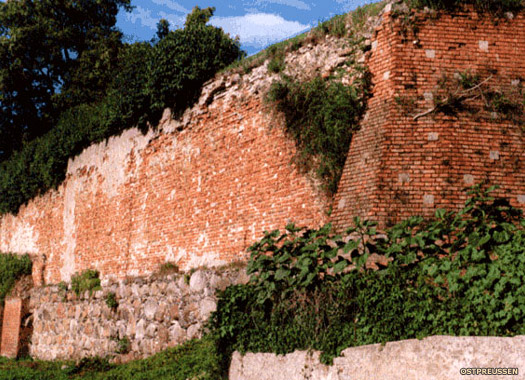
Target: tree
[186, 58]
[53, 54]
[163, 28]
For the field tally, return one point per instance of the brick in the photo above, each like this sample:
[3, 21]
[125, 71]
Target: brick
[471, 146]
[11, 328]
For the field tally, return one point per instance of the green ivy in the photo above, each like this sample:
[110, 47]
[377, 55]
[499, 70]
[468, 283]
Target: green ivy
[461, 273]
[12, 267]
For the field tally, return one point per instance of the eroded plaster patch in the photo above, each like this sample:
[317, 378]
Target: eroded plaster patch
[111, 159]
[24, 239]
[69, 242]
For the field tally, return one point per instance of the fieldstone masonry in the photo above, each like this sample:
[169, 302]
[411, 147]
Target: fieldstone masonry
[153, 314]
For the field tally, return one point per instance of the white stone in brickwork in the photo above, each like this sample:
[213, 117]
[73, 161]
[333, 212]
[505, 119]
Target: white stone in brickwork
[150, 330]
[135, 290]
[386, 75]
[515, 82]
[433, 136]
[404, 177]
[428, 199]
[430, 53]
[388, 8]
[494, 155]
[468, 179]
[521, 199]
[177, 333]
[484, 45]
[429, 96]
[341, 204]
[374, 45]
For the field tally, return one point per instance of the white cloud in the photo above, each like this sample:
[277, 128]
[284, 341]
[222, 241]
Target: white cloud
[259, 29]
[174, 20]
[172, 5]
[143, 16]
[291, 3]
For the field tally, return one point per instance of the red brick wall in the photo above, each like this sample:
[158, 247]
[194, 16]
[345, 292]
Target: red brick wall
[195, 196]
[202, 191]
[398, 166]
[11, 328]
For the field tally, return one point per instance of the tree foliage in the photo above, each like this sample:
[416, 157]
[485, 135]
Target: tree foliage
[53, 54]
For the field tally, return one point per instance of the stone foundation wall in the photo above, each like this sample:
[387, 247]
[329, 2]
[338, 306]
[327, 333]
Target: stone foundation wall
[152, 314]
[433, 358]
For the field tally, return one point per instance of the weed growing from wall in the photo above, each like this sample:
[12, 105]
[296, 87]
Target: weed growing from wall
[88, 281]
[477, 94]
[321, 116]
[111, 301]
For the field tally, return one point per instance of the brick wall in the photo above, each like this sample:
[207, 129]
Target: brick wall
[11, 328]
[197, 192]
[398, 166]
[200, 190]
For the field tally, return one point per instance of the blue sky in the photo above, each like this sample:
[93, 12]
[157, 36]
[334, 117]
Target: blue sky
[258, 23]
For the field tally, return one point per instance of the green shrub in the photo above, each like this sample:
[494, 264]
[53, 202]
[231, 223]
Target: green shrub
[459, 274]
[321, 116]
[336, 26]
[168, 267]
[12, 267]
[88, 280]
[277, 63]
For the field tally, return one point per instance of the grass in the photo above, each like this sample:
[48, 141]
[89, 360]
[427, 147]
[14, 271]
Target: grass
[196, 359]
